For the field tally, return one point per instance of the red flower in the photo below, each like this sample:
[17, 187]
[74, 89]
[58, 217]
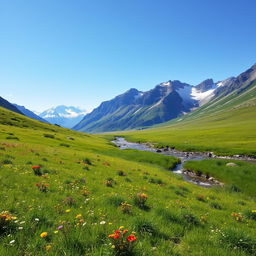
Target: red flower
[117, 232]
[36, 167]
[131, 238]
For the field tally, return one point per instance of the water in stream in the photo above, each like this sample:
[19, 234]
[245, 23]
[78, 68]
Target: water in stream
[183, 156]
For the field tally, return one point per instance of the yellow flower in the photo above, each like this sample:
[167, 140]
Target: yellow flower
[44, 234]
[253, 211]
[78, 216]
[68, 210]
[56, 232]
[48, 247]
[121, 227]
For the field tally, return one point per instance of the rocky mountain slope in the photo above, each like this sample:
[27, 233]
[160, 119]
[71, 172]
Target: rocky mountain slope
[168, 100]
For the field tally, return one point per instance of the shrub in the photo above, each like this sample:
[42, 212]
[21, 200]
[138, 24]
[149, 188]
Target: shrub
[250, 214]
[191, 219]
[215, 205]
[6, 161]
[64, 145]
[37, 170]
[70, 201]
[87, 161]
[43, 187]
[201, 198]
[140, 199]
[126, 208]
[156, 181]
[6, 222]
[121, 173]
[46, 135]
[12, 138]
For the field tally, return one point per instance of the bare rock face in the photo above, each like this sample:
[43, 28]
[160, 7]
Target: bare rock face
[231, 164]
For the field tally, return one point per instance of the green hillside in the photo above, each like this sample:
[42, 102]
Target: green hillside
[224, 126]
[86, 188]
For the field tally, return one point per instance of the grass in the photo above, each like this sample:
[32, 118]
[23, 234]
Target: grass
[226, 127]
[78, 211]
[239, 178]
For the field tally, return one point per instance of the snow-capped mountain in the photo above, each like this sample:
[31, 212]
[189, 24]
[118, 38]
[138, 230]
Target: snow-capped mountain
[63, 115]
[168, 100]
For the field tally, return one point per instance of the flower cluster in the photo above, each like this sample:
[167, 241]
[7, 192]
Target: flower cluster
[122, 242]
[43, 187]
[37, 170]
[237, 216]
[5, 221]
[126, 208]
[140, 199]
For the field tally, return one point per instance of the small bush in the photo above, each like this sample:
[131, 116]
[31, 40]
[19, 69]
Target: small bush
[215, 205]
[6, 161]
[121, 173]
[126, 208]
[140, 200]
[201, 198]
[156, 181]
[51, 136]
[191, 219]
[70, 201]
[250, 214]
[64, 145]
[87, 161]
[12, 138]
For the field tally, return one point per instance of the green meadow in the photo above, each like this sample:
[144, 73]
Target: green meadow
[86, 188]
[226, 126]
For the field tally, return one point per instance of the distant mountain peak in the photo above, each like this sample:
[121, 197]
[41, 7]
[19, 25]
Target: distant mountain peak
[66, 116]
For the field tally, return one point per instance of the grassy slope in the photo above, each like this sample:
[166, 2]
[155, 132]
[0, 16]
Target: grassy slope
[225, 126]
[178, 223]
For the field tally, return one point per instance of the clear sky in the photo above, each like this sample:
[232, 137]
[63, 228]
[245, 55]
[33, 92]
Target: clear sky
[81, 52]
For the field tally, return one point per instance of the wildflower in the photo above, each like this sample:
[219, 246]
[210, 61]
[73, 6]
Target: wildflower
[60, 227]
[44, 234]
[102, 222]
[131, 238]
[48, 247]
[78, 216]
[253, 211]
[68, 210]
[117, 231]
[11, 242]
[121, 227]
[56, 232]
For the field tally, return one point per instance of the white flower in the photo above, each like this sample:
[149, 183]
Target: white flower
[11, 242]
[102, 222]
[20, 228]
[36, 219]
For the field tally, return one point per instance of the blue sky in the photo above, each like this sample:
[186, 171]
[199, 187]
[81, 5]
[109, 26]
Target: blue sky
[82, 52]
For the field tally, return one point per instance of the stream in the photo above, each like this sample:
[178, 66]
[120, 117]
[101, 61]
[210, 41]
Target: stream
[183, 156]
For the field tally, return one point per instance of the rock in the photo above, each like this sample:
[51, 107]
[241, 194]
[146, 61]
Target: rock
[159, 151]
[231, 164]
[209, 154]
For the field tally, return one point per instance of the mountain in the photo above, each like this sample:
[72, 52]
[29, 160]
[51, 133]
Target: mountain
[168, 100]
[6, 104]
[137, 109]
[63, 115]
[29, 113]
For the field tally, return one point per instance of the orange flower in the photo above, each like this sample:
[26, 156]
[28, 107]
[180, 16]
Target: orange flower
[125, 231]
[115, 236]
[44, 234]
[131, 238]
